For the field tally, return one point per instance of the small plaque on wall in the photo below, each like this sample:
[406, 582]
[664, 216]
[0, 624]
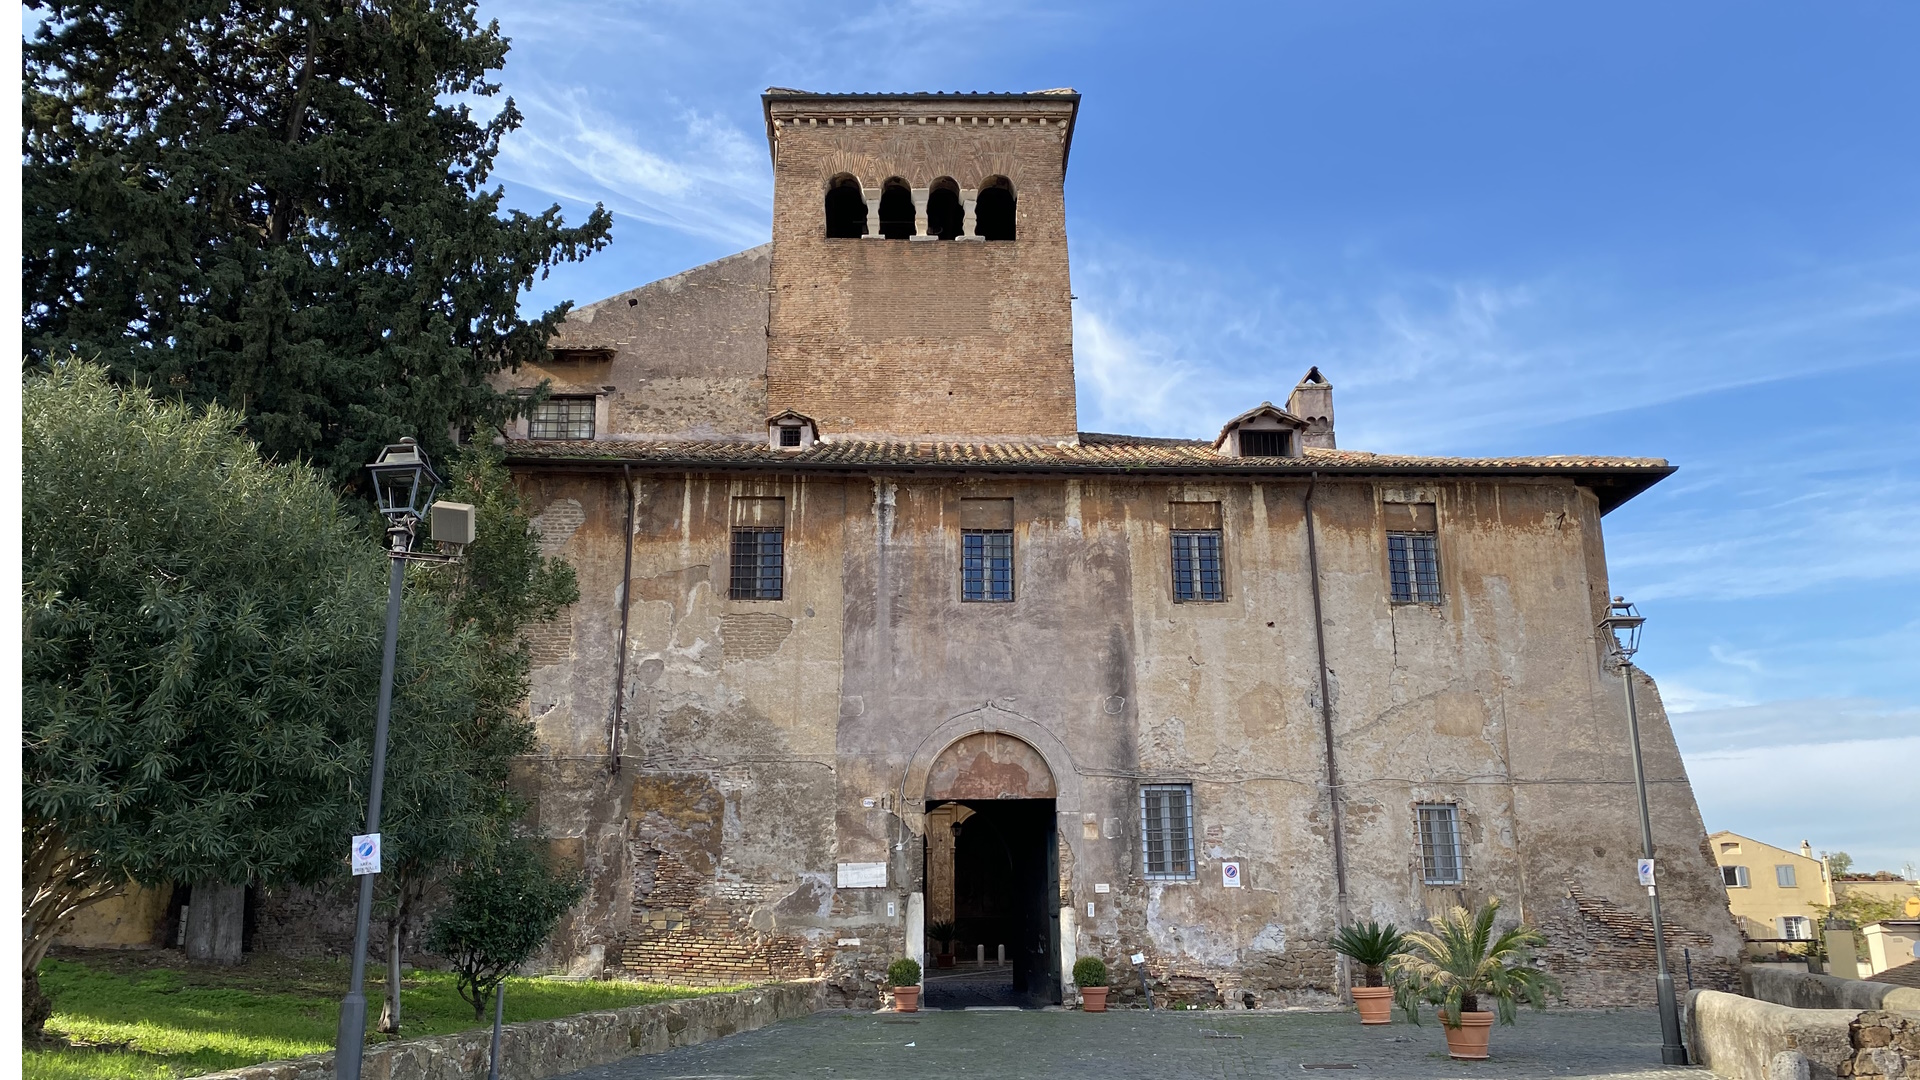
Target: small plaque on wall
[862, 875]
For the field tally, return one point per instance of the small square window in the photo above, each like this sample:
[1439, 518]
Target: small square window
[1413, 564]
[1263, 444]
[562, 418]
[986, 565]
[1796, 928]
[1440, 861]
[1783, 877]
[1166, 830]
[790, 435]
[758, 564]
[1735, 877]
[1196, 566]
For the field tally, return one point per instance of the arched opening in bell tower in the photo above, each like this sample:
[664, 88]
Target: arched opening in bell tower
[896, 210]
[945, 217]
[993, 209]
[846, 209]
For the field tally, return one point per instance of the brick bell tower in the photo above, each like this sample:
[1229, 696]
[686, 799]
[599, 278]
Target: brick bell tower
[919, 272]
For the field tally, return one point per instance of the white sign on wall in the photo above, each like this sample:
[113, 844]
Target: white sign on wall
[366, 854]
[862, 875]
[1230, 874]
[1646, 872]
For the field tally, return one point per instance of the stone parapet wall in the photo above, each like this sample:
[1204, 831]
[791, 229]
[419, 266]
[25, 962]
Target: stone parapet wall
[543, 1048]
[1804, 990]
[1746, 1039]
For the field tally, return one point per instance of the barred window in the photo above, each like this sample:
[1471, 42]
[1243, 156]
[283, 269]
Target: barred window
[1166, 830]
[1196, 566]
[1263, 444]
[757, 564]
[1796, 928]
[1440, 862]
[1413, 564]
[986, 565]
[562, 418]
[790, 435]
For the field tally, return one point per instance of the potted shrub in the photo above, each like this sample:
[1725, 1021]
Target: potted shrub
[1090, 975]
[1462, 966]
[904, 976]
[1370, 945]
[942, 932]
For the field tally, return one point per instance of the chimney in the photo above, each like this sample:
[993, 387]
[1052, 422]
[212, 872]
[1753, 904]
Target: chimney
[1806, 850]
[1312, 401]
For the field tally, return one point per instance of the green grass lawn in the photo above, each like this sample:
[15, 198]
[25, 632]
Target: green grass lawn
[147, 1016]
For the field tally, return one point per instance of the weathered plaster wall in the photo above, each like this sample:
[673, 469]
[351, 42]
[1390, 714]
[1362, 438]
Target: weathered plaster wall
[687, 355]
[766, 742]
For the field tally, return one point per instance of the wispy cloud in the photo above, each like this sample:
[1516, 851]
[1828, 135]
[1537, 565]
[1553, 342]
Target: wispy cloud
[699, 175]
[1437, 366]
[1840, 795]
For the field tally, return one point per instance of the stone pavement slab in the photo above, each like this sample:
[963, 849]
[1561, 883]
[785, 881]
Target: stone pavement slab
[1133, 1044]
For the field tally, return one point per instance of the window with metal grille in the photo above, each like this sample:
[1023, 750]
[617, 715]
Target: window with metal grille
[562, 418]
[1196, 566]
[986, 565]
[757, 564]
[1783, 876]
[1440, 862]
[790, 435]
[1796, 928]
[1166, 830]
[1263, 444]
[1735, 877]
[1413, 565]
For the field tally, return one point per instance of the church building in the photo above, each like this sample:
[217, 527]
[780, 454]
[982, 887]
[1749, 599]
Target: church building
[878, 654]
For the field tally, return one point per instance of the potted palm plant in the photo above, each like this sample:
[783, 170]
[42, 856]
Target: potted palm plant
[942, 932]
[903, 975]
[1461, 966]
[1090, 975]
[1370, 945]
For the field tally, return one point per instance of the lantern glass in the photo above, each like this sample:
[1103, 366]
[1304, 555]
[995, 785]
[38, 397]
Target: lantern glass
[1623, 623]
[404, 482]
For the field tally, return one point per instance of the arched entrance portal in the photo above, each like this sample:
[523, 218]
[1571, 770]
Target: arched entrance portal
[993, 872]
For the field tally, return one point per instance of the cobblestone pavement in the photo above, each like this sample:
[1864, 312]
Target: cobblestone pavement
[1133, 1044]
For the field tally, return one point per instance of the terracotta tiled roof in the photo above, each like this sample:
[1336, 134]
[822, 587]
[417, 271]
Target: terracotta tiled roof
[1614, 479]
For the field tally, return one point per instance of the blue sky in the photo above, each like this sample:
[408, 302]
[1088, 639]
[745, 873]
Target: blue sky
[1686, 231]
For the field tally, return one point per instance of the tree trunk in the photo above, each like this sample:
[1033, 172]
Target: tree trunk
[390, 1012]
[35, 1007]
[214, 920]
[56, 883]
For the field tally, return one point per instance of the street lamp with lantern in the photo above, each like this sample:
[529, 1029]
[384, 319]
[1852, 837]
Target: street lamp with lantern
[404, 485]
[1622, 626]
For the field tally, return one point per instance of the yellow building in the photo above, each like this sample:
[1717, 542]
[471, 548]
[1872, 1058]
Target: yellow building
[1769, 889]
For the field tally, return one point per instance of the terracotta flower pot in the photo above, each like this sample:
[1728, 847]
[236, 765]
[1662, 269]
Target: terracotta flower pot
[1093, 998]
[1469, 1040]
[907, 999]
[1375, 1004]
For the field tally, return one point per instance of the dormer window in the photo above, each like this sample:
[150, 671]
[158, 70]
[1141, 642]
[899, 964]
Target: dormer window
[790, 431]
[1265, 432]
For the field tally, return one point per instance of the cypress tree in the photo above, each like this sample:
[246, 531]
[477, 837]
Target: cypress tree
[283, 209]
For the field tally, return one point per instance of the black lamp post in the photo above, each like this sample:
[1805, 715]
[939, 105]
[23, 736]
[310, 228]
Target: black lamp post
[404, 484]
[1622, 626]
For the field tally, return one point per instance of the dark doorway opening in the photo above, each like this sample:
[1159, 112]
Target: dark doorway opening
[1006, 908]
